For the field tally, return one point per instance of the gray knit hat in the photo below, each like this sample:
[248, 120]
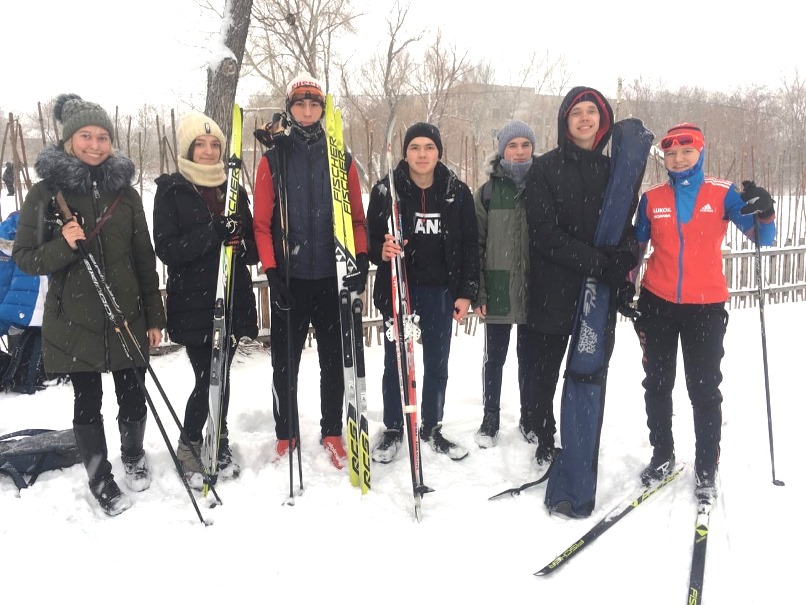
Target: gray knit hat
[75, 113]
[513, 130]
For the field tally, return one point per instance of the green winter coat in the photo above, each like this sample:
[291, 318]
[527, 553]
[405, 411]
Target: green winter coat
[77, 335]
[503, 249]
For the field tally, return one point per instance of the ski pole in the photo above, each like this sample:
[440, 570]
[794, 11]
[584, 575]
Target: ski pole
[292, 408]
[764, 348]
[115, 315]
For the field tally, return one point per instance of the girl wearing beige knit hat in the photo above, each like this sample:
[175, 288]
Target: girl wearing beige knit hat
[189, 230]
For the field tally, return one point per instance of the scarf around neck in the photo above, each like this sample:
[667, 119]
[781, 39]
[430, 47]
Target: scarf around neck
[204, 175]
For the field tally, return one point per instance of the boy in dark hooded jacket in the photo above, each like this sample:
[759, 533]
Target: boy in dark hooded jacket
[563, 197]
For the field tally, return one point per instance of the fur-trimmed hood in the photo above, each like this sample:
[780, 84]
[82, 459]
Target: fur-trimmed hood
[68, 173]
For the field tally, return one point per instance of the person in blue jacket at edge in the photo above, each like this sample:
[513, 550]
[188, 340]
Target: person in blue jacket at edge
[683, 294]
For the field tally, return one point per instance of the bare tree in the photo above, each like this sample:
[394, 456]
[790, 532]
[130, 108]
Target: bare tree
[222, 77]
[442, 67]
[382, 84]
[293, 35]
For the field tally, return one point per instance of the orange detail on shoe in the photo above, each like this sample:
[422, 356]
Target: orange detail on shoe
[282, 446]
[334, 447]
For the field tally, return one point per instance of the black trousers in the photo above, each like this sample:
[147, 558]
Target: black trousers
[700, 329]
[198, 404]
[315, 303]
[539, 359]
[88, 396]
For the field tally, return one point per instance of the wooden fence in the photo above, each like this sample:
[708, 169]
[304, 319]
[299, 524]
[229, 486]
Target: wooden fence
[783, 272]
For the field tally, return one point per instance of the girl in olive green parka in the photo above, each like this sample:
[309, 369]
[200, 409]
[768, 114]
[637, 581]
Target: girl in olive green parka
[78, 338]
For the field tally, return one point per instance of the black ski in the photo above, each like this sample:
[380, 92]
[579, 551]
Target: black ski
[516, 491]
[697, 575]
[615, 515]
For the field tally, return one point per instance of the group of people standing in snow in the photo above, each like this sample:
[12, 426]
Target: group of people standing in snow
[517, 252]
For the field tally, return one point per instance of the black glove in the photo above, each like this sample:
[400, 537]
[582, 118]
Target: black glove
[759, 201]
[228, 227]
[236, 242]
[625, 295]
[279, 294]
[616, 269]
[271, 132]
[357, 281]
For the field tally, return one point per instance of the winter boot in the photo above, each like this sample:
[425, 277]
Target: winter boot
[387, 448]
[660, 467]
[335, 448]
[192, 469]
[488, 432]
[91, 442]
[282, 447]
[138, 474]
[227, 467]
[433, 436]
[706, 491]
[527, 431]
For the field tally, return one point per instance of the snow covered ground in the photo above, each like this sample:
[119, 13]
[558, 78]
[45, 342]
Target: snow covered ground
[56, 545]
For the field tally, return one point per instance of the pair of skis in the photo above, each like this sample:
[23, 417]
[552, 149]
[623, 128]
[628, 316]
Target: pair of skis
[222, 314]
[625, 507]
[404, 331]
[351, 307]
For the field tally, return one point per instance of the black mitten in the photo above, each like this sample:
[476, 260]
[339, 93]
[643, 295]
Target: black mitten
[759, 201]
[625, 295]
[228, 227]
[357, 280]
[616, 269]
[279, 294]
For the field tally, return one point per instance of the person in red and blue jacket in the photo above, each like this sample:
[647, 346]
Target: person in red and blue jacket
[683, 294]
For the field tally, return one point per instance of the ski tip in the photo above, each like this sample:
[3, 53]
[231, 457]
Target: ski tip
[507, 492]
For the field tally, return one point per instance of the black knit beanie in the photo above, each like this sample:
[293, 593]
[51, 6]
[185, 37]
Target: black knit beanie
[423, 129]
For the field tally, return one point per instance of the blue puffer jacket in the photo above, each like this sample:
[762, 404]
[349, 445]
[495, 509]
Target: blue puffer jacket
[22, 296]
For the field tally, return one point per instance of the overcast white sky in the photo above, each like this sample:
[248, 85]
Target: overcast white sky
[156, 51]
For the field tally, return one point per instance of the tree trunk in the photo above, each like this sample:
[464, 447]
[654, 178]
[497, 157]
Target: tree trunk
[222, 79]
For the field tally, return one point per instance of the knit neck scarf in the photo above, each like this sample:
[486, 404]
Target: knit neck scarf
[517, 171]
[204, 175]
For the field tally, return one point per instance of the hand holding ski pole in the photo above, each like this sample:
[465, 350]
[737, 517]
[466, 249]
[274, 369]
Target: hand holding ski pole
[625, 296]
[72, 232]
[278, 291]
[758, 199]
[390, 247]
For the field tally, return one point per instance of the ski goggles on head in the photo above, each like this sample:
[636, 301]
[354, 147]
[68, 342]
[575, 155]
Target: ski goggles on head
[683, 139]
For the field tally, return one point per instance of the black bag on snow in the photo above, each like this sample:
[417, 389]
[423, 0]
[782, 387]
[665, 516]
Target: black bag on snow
[25, 372]
[34, 451]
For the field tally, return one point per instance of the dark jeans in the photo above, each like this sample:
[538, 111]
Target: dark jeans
[434, 306]
[701, 332]
[315, 303]
[528, 343]
[198, 405]
[88, 396]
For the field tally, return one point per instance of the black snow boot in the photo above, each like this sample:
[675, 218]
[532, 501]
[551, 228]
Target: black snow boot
[91, 442]
[138, 474]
